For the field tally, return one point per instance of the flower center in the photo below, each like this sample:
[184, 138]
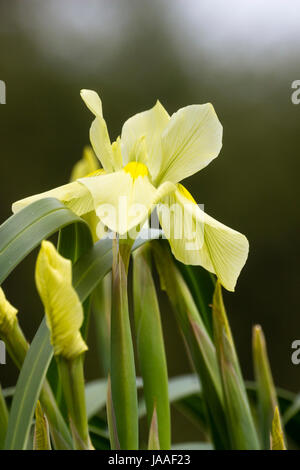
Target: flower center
[136, 169]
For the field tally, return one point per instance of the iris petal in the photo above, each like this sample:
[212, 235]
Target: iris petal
[198, 239]
[192, 138]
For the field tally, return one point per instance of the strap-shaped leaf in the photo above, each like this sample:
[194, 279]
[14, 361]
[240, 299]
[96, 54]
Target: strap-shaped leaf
[24, 231]
[202, 285]
[3, 419]
[28, 389]
[266, 393]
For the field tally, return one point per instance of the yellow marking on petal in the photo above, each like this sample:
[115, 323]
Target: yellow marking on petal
[8, 314]
[136, 169]
[185, 193]
[98, 172]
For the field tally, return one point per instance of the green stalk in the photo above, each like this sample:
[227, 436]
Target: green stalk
[72, 379]
[17, 347]
[16, 344]
[102, 314]
[122, 369]
[151, 350]
[3, 419]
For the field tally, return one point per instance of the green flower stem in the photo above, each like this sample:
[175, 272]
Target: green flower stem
[16, 344]
[3, 419]
[123, 378]
[17, 347]
[72, 379]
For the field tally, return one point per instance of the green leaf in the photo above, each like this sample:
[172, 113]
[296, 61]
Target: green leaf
[289, 404]
[193, 446]
[24, 231]
[293, 410]
[238, 414]
[182, 386]
[153, 442]
[98, 433]
[197, 340]
[96, 394]
[111, 419]
[267, 400]
[202, 285]
[151, 350]
[3, 419]
[28, 388]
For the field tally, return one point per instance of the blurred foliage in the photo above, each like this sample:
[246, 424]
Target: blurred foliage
[253, 185]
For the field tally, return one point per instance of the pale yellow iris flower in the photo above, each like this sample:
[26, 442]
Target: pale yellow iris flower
[143, 168]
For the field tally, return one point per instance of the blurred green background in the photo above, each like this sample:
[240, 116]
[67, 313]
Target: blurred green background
[242, 57]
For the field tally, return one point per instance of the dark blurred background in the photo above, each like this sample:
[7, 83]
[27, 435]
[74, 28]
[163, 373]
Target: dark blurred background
[242, 57]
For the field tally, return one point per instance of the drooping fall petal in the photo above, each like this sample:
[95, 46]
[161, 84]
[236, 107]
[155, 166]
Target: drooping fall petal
[74, 195]
[198, 239]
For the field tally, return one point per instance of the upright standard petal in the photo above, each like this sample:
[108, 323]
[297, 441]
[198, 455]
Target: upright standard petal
[198, 239]
[123, 200]
[93, 101]
[64, 313]
[99, 136]
[150, 125]
[73, 195]
[191, 140]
